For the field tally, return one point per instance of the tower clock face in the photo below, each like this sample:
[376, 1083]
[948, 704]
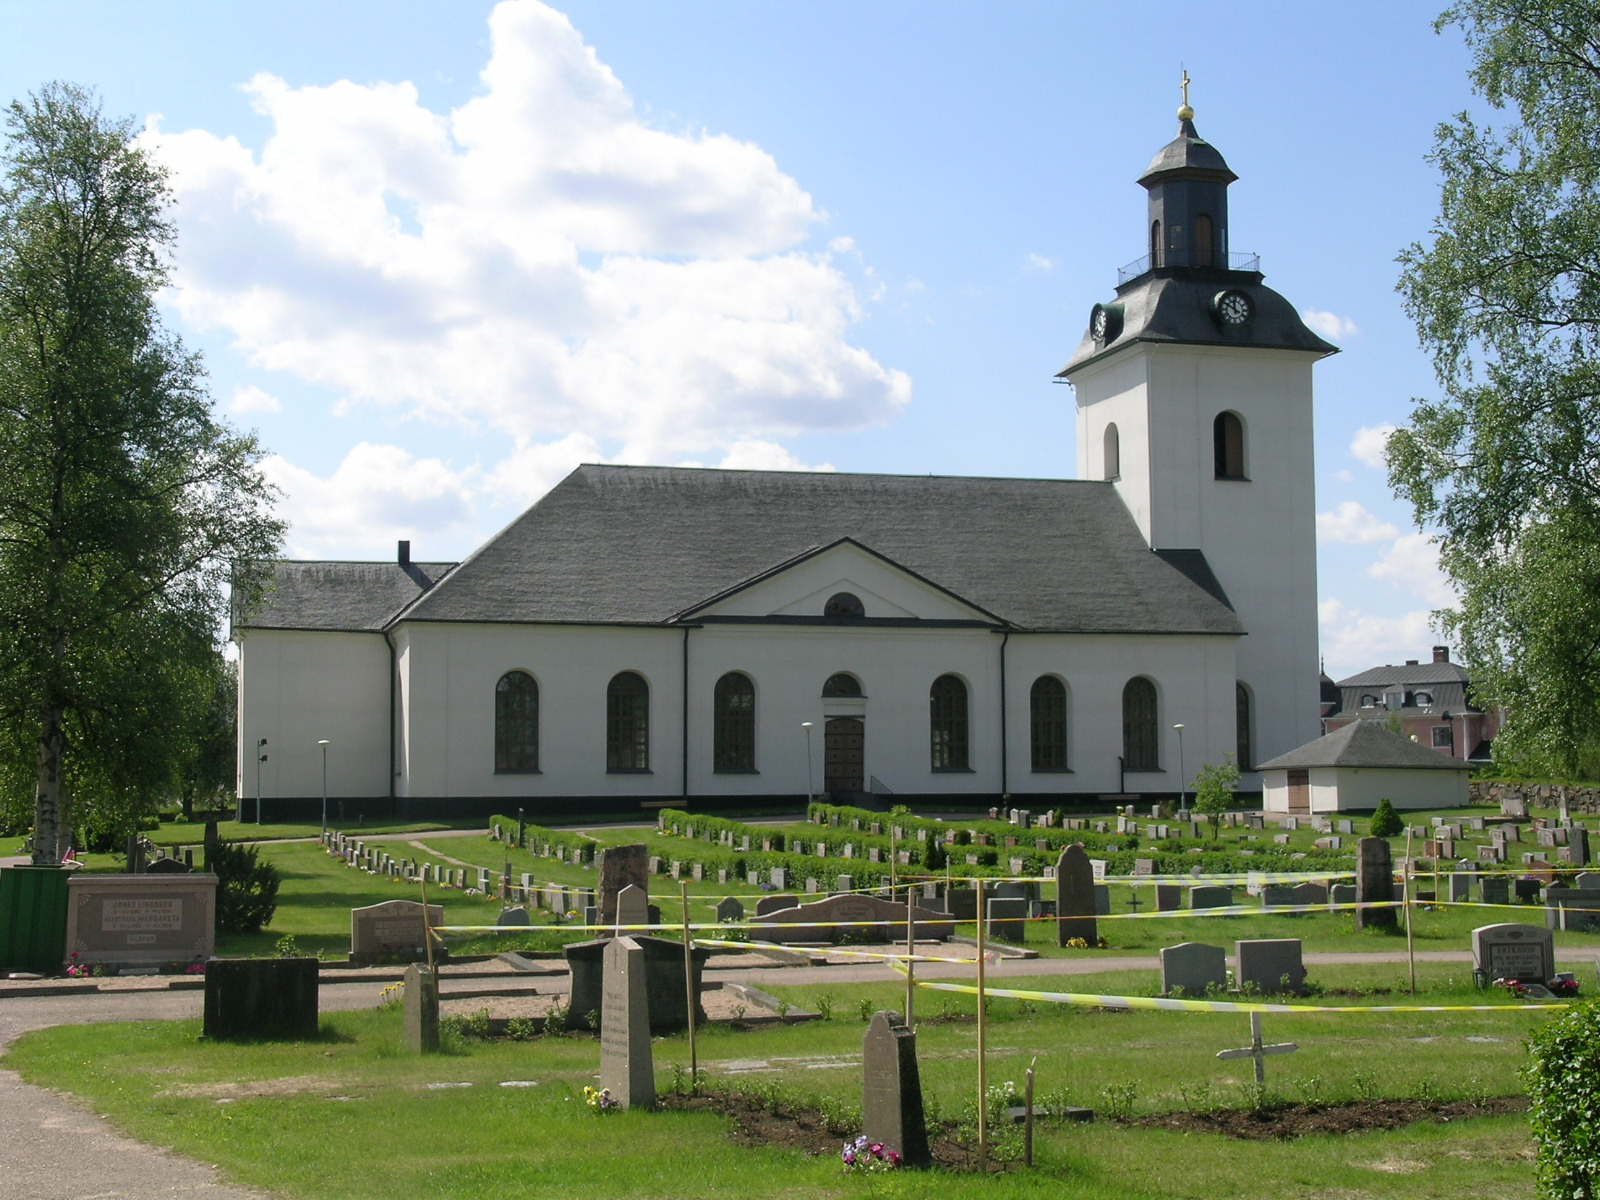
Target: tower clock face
[1235, 308]
[1099, 323]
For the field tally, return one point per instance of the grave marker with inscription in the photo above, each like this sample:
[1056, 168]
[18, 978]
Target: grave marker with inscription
[627, 1069]
[138, 920]
[1508, 951]
[891, 1090]
[392, 930]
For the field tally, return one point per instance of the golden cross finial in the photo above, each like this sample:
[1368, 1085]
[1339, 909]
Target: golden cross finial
[1185, 113]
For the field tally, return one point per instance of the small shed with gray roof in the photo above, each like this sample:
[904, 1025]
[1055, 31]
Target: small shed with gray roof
[1353, 768]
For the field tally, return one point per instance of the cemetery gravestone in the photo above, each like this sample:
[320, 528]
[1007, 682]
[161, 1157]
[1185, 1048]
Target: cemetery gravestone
[663, 959]
[1169, 897]
[1075, 897]
[393, 929]
[1007, 919]
[513, 918]
[1508, 951]
[767, 904]
[1495, 889]
[1210, 895]
[1574, 909]
[1460, 888]
[1374, 883]
[1272, 964]
[139, 920]
[632, 909]
[891, 1090]
[419, 1025]
[730, 910]
[261, 998]
[627, 1070]
[1194, 967]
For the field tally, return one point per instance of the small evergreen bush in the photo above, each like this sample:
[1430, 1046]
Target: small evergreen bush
[247, 889]
[1386, 822]
[1563, 1078]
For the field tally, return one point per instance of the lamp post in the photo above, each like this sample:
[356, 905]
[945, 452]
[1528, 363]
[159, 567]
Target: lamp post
[1183, 778]
[323, 742]
[811, 791]
[260, 758]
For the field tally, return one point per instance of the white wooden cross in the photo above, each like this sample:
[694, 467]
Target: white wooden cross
[1257, 1051]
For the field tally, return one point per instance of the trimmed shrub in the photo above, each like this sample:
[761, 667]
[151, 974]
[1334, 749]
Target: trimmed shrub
[1563, 1078]
[247, 889]
[1386, 822]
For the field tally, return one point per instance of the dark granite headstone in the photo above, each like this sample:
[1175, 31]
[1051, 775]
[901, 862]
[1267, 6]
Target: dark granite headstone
[891, 1090]
[1008, 919]
[620, 867]
[261, 999]
[1272, 964]
[1194, 967]
[663, 974]
[1075, 897]
[1374, 883]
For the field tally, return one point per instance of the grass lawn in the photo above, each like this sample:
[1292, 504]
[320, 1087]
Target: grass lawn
[351, 1116]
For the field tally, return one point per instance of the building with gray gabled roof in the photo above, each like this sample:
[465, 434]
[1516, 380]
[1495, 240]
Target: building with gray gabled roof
[1430, 701]
[646, 636]
[1356, 767]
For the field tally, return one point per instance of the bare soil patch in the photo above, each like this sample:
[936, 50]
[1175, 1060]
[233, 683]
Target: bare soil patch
[1284, 1121]
[758, 1121]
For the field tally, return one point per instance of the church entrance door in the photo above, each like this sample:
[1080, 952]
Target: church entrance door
[844, 755]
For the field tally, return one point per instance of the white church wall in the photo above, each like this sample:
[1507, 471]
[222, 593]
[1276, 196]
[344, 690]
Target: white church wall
[449, 677]
[298, 687]
[1194, 686]
[896, 667]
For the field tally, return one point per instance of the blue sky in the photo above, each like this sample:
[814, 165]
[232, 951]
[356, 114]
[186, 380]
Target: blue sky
[437, 254]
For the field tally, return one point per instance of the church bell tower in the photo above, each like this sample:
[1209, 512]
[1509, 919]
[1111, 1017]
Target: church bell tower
[1194, 399]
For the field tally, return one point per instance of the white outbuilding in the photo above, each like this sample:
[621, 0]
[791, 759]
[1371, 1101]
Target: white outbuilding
[1353, 768]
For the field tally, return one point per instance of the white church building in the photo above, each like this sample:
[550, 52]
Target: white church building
[645, 636]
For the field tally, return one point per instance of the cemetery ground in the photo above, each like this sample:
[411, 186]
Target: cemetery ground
[350, 1115]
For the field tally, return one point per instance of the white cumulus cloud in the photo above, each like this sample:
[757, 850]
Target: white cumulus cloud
[1370, 443]
[1329, 325]
[1352, 521]
[541, 262]
[1037, 262]
[1354, 639]
[251, 399]
[1412, 565]
[377, 495]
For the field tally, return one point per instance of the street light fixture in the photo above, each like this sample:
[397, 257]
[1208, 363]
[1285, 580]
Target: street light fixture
[1183, 778]
[323, 742]
[811, 791]
[260, 758]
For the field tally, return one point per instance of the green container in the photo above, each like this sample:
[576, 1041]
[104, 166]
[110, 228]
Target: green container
[33, 918]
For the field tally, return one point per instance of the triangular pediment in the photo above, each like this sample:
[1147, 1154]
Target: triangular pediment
[800, 589]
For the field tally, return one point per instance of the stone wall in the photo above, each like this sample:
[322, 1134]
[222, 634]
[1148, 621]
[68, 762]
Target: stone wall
[1546, 795]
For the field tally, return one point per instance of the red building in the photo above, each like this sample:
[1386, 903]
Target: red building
[1432, 701]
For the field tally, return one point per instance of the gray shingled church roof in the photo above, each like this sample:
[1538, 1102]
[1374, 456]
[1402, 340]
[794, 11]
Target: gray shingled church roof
[1364, 744]
[640, 544]
[341, 596]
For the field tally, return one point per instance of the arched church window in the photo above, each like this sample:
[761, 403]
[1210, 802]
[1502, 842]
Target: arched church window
[516, 723]
[1204, 255]
[1243, 750]
[1113, 452]
[1155, 243]
[734, 724]
[1227, 436]
[844, 604]
[948, 723]
[842, 684]
[628, 723]
[1139, 749]
[1047, 723]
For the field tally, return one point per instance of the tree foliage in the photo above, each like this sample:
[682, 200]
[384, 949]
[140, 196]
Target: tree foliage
[1506, 298]
[1213, 790]
[1563, 1078]
[126, 509]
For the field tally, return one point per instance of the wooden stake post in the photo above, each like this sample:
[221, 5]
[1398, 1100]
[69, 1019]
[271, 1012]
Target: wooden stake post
[688, 988]
[983, 1067]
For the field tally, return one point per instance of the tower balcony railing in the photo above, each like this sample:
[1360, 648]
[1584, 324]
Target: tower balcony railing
[1181, 258]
